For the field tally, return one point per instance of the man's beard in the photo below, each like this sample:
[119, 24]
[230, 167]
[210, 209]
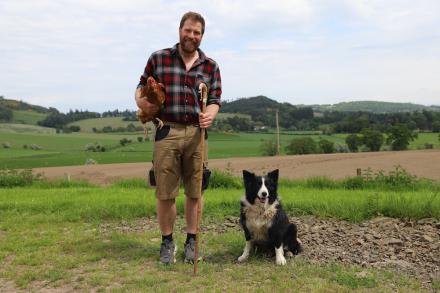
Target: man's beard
[189, 46]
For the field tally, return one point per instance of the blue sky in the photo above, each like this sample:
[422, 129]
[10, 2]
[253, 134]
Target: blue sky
[89, 54]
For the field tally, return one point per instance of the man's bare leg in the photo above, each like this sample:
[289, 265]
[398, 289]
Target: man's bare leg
[191, 214]
[166, 215]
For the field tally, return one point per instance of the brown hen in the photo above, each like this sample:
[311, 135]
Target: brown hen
[155, 94]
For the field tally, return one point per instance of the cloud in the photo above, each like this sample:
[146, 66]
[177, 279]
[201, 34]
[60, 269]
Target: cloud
[91, 53]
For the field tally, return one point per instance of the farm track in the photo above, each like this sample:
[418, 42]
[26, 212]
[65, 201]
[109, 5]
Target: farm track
[422, 163]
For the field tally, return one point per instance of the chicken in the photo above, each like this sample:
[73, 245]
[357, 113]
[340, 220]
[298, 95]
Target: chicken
[155, 94]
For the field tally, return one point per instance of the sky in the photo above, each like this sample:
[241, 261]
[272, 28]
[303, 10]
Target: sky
[89, 54]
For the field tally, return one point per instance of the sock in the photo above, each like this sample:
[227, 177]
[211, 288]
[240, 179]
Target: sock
[168, 237]
[190, 236]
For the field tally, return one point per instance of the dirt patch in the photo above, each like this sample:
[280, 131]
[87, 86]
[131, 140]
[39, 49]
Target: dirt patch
[422, 163]
[409, 247]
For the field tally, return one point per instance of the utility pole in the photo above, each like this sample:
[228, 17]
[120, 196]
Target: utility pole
[278, 133]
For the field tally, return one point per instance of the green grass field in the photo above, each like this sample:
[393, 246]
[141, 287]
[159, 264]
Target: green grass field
[24, 128]
[69, 149]
[68, 239]
[87, 125]
[27, 117]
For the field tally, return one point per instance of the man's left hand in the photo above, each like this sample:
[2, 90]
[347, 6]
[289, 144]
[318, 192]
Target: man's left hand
[205, 119]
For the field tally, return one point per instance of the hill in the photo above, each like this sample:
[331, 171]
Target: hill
[23, 106]
[19, 112]
[373, 107]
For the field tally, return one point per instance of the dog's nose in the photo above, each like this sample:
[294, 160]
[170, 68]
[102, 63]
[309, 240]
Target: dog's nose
[264, 194]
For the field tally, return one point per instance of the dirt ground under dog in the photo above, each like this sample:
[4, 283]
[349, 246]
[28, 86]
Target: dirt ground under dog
[422, 163]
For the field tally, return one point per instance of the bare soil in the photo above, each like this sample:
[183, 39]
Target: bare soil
[422, 163]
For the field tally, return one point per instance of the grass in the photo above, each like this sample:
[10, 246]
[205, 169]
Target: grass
[87, 125]
[79, 238]
[27, 117]
[69, 149]
[24, 129]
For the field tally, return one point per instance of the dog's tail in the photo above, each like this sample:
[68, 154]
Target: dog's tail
[291, 238]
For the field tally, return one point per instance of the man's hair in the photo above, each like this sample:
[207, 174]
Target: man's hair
[194, 16]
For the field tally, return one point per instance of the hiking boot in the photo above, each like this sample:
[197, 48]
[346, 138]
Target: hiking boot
[189, 251]
[168, 252]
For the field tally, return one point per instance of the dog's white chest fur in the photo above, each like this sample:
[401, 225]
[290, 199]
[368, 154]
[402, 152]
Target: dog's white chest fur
[259, 218]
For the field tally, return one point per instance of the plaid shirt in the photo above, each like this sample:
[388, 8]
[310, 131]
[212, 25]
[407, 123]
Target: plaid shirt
[182, 98]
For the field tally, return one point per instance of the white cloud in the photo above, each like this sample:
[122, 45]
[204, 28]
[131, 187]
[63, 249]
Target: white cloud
[91, 53]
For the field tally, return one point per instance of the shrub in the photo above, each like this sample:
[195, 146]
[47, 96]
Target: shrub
[96, 147]
[353, 182]
[428, 146]
[15, 178]
[301, 146]
[353, 142]
[74, 128]
[268, 147]
[327, 147]
[124, 141]
[140, 138]
[224, 179]
[397, 178]
[372, 138]
[340, 148]
[399, 137]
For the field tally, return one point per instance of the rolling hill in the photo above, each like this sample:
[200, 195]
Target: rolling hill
[373, 106]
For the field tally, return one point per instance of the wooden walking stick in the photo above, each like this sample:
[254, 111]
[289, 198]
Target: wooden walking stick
[203, 90]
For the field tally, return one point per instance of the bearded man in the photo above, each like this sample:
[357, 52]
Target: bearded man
[177, 155]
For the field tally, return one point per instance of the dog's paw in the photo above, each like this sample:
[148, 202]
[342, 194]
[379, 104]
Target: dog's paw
[281, 261]
[242, 258]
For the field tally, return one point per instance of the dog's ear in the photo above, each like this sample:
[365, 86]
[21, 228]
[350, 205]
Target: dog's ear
[248, 178]
[273, 175]
[247, 175]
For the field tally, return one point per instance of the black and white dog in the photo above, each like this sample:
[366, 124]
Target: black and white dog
[263, 220]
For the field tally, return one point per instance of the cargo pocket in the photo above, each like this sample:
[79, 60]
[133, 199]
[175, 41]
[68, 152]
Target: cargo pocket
[161, 133]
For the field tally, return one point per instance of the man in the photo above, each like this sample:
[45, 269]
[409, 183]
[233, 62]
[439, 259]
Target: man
[177, 153]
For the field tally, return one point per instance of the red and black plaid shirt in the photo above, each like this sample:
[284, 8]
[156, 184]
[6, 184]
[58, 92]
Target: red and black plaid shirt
[181, 86]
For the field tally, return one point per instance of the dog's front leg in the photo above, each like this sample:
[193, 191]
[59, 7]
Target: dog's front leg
[279, 256]
[247, 249]
[277, 242]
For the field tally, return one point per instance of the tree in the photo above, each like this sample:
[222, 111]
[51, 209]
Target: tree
[327, 147]
[301, 146]
[353, 142]
[399, 137]
[436, 126]
[372, 138]
[5, 114]
[269, 147]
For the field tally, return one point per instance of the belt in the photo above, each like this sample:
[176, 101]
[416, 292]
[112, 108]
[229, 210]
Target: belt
[179, 125]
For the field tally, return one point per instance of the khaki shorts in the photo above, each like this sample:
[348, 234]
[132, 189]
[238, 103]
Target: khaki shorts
[177, 157]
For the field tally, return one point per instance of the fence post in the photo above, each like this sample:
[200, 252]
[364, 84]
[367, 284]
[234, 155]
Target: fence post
[358, 172]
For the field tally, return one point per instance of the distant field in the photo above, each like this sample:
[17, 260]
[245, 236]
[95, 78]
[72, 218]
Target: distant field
[87, 125]
[27, 117]
[426, 138]
[69, 149]
[227, 115]
[23, 128]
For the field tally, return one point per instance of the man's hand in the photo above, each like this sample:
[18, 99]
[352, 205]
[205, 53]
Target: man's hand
[206, 119]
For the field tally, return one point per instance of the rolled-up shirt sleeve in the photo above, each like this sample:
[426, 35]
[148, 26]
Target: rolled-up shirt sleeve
[215, 91]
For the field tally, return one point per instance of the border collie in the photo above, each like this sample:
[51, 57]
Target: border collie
[263, 220]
